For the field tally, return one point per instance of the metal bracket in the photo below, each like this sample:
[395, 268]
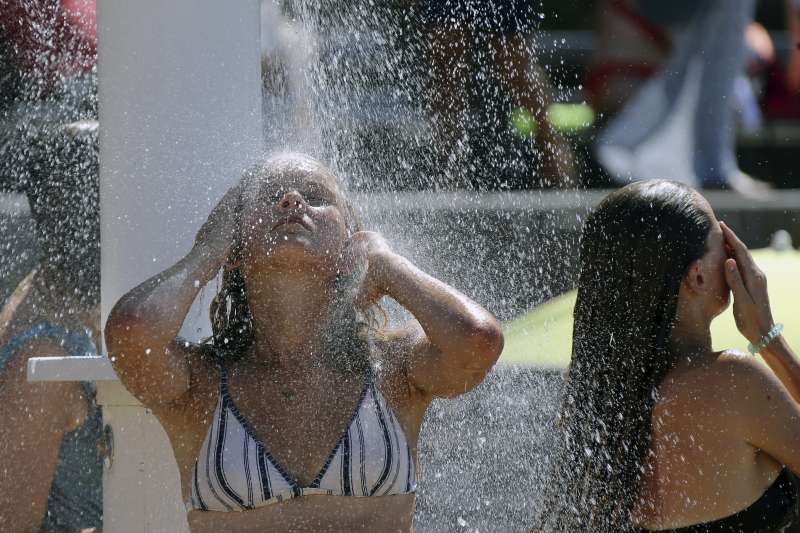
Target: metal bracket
[106, 447]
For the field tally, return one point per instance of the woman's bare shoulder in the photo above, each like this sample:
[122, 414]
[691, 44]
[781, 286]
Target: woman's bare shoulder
[744, 381]
[721, 383]
[741, 366]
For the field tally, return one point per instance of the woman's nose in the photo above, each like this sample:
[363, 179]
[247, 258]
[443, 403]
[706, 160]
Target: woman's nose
[290, 201]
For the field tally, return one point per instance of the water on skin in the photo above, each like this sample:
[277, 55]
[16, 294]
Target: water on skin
[348, 87]
[358, 96]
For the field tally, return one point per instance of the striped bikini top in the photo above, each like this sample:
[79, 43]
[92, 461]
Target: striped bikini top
[234, 471]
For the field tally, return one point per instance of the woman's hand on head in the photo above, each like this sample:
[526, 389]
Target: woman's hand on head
[366, 255]
[747, 281]
[219, 230]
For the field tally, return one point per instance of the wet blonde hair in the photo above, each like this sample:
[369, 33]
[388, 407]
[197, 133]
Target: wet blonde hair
[346, 343]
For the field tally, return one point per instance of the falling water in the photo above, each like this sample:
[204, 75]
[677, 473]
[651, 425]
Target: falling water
[347, 82]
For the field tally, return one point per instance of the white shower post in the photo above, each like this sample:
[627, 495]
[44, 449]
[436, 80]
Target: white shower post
[180, 115]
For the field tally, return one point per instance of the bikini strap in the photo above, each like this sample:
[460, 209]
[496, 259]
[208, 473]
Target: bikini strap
[223, 381]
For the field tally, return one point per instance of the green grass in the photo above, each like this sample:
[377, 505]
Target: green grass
[542, 337]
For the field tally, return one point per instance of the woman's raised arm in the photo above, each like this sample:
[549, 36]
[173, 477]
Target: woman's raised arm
[771, 420]
[142, 328]
[457, 340]
[753, 314]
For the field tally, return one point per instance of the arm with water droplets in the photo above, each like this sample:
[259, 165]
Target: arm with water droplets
[142, 328]
[454, 342]
[753, 315]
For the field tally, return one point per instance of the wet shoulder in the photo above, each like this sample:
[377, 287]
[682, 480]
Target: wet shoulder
[716, 386]
[741, 370]
[752, 380]
[731, 386]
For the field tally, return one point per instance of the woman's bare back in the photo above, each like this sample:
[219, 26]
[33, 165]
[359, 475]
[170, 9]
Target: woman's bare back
[702, 467]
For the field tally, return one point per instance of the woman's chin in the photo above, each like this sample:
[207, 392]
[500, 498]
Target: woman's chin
[292, 253]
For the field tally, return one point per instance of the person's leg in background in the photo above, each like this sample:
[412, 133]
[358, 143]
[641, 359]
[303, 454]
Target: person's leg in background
[449, 37]
[723, 52]
[531, 89]
[656, 105]
[681, 123]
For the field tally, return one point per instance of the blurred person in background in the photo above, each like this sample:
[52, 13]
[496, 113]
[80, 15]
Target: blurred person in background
[51, 479]
[782, 92]
[681, 121]
[793, 21]
[493, 35]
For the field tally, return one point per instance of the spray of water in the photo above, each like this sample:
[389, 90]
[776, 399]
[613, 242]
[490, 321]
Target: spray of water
[355, 84]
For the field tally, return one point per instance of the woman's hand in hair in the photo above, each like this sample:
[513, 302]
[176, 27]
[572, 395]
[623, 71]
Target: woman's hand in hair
[451, 343]
[142, 328]
[218, 232]
[748, 283]
[367, 255]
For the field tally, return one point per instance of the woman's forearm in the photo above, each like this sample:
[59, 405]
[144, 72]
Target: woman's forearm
[452, 322]
[785, 364]
[160, 304]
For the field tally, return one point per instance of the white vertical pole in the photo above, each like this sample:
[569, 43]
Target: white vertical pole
[180, 114]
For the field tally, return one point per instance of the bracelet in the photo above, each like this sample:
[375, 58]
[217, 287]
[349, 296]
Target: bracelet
[771, 335]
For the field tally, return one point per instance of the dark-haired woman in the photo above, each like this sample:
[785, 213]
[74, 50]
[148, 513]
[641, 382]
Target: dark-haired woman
[657, 430]
[299, 415]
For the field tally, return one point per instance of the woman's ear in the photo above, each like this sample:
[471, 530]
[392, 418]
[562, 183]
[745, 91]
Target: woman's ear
[695, 279]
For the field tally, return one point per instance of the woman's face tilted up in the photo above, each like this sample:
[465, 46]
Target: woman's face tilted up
[294, 217]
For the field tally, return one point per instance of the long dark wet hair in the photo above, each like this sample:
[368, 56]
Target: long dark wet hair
[637, 247]
[346, 344]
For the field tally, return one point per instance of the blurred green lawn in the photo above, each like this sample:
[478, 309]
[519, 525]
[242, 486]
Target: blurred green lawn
[543, 336]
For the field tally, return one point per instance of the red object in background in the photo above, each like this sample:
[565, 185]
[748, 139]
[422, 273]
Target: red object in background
[779, 101]
[51, 38]
[630, 49]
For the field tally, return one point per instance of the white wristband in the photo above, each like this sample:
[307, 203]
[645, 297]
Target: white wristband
[771, 335]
